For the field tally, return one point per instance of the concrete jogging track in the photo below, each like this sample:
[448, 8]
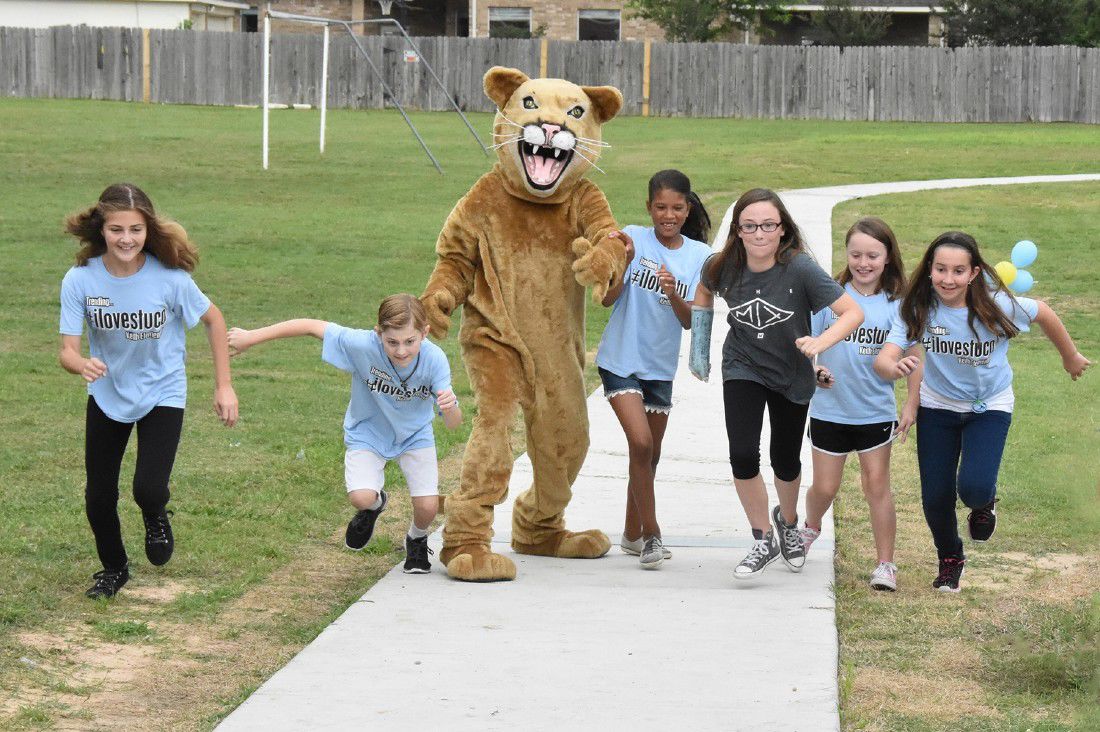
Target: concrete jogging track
[599, 644]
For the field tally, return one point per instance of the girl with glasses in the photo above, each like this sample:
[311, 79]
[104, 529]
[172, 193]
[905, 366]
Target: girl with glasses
[772, 286]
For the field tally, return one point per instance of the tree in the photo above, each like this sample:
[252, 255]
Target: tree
[705, 20]
[840, 24]
[1010, 22]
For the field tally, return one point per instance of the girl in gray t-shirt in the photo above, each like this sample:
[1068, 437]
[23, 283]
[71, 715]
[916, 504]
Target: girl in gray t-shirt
[772, 286]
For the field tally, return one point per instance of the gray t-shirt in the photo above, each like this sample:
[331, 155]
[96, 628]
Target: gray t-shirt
[768, 311]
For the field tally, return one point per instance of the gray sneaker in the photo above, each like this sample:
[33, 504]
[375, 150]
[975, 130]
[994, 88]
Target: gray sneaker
[652, 553]
[635, 547]
[763, 552]
[790, 541]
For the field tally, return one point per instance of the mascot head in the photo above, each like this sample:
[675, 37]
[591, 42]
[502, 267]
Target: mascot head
[547, 131]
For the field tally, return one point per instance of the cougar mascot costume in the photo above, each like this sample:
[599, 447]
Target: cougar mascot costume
[517, 252]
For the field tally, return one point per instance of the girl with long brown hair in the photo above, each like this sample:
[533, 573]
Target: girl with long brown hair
[772, 286]
[854, 409]
[958, 309]
[131, 287]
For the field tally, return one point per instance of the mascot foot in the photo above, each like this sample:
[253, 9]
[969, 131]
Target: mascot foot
[568, 544]
[475, 563]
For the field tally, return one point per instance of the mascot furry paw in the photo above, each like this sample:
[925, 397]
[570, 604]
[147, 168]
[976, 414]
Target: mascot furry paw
[516, 253]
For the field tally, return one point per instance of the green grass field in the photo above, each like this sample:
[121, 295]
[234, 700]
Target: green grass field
[260, 509]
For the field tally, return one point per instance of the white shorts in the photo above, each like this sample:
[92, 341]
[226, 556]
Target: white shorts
[364, 470]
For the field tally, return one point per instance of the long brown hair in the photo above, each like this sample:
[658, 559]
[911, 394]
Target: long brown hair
[164, 239]
[892, 281]
[733, 254]
[920, 297]
[397, 311]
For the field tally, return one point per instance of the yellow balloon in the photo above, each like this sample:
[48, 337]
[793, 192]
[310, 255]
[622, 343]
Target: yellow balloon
[1006, 271]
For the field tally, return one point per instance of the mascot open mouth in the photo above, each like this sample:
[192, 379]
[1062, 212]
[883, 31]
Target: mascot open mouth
[543, 164]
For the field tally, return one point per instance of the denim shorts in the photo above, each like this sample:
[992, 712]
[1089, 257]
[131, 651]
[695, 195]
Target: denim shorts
[656, 395]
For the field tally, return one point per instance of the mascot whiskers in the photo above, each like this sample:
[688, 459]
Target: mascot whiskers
[517, 253]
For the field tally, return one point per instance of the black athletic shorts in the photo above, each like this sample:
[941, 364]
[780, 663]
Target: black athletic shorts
[834, 438]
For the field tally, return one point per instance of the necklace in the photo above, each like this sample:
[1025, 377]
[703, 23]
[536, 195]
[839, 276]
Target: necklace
[404, 381]
[861, 292]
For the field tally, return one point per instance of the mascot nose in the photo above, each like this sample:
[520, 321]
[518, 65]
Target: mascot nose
[550, 131]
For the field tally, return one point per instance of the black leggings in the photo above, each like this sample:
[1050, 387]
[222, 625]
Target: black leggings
[104, 444]
[744, 401]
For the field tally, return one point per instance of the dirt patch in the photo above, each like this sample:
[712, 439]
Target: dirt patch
[159, 594]
[878, 692]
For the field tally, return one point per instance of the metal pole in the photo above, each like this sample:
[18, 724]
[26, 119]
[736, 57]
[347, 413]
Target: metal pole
[324, 86]
[441, 86]
[267, 79]
[389, 92]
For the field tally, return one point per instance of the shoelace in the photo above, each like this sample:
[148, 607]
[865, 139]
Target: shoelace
[759, 551]
[792, 540]
[950, 571]
[156, 528]
[420, 550]
[106, 579]
[983, 516]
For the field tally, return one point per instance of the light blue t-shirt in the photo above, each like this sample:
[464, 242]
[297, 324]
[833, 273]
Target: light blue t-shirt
[642, 337]
[136, 325]
[959, 365]
[858, 394]
[391, 410]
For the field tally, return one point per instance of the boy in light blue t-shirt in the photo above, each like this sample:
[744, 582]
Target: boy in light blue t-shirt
[964, 323]
[399, 378]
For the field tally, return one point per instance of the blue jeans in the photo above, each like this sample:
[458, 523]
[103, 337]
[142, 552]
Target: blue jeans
[959, 455]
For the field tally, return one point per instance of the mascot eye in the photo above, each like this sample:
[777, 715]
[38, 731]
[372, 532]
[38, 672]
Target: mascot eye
[576, 112]
[529, 103]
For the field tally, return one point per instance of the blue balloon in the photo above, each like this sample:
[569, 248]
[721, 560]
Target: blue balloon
[1023, 281]
[1024, 253]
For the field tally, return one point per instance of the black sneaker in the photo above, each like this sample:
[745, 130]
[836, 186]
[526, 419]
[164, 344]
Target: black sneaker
[361, 526]
[416, 555]
[790, 541]
[108, 582]
[983, 521]
[951, 571]
[764, 552]
[158, 537]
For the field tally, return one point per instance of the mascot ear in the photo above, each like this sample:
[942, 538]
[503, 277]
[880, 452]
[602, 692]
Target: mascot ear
[501, 82]
[606, 101]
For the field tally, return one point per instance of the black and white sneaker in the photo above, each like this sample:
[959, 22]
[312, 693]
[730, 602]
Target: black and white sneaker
[361, 526]
[951, 571]
[763, 552]
[790, 541]
[108, 582]
[982, 522]
[159, 542]
[416, 555]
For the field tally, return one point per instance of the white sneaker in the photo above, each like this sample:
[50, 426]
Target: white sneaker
[636, 546]
[652, 553]
[885, 577]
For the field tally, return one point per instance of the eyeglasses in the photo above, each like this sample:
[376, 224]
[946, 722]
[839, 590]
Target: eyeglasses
[750, 228]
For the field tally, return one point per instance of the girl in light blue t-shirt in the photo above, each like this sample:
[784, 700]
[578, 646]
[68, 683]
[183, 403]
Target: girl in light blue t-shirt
[854, 408]
[641, 344]
[959, 311]
[398, 379]
[131, 287]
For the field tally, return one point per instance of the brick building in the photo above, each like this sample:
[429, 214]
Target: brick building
[567, 20]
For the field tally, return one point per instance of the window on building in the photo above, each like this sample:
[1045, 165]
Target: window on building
[509, 22]
[598, 25]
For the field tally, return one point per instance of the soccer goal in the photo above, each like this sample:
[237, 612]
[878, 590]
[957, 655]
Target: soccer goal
[327, 24]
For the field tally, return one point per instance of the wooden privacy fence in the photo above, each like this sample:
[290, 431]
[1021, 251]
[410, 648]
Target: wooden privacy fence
[1018, 84]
